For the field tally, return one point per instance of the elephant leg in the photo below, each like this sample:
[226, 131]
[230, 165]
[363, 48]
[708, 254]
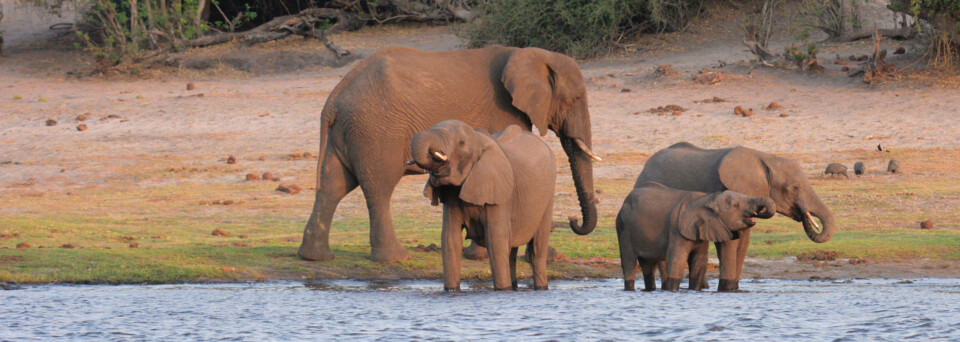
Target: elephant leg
[498, 245]
[629, 262]
[377, 190]
[475, 252]
[649, 274]
[451, 246]
[334, 182]
[698, 266]
[677, 254]
[513, 268]
[662, 268]
[727, 253]
[742, 254]
[540, 246]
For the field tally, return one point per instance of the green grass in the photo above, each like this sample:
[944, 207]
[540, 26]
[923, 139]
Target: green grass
[163, 211]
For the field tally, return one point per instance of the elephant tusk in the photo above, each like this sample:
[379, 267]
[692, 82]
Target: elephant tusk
[812, 221]
[411, 162]
[585, 149]
[441, 156]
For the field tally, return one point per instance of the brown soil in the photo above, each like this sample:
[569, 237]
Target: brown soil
[220, 232]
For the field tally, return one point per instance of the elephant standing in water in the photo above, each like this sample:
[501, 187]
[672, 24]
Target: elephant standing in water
[499, 188]
[371, 116]
[684, 166]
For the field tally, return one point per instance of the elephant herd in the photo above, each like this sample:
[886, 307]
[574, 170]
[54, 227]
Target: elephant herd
[466, 119]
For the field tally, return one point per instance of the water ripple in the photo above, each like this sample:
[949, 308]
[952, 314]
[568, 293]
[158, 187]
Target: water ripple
[862, 309]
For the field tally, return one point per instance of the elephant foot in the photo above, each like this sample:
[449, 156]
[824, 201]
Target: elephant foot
[728, 285]
[551, 255]
[628, 285]
[389, 254]
[448, 289]
[514, 286]
[671, 284]
[475, 252]
[315, 252]
[541, 287]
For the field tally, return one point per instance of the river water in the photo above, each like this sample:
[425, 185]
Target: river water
[778, 310]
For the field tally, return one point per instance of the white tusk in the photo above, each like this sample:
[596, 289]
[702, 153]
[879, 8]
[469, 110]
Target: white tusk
[411, 162]
[812, 221]
[441, 156]
[585, 149]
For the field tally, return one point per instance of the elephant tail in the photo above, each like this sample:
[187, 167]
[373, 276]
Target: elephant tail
[326, 120]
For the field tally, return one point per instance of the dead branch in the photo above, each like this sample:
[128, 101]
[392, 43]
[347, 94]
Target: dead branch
[897, 33]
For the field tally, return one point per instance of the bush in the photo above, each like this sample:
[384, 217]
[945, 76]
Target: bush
[580, 28]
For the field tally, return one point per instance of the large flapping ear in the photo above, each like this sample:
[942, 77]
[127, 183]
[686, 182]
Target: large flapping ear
[530, 81]
[490, 181]
[743, 170]
[699, 221]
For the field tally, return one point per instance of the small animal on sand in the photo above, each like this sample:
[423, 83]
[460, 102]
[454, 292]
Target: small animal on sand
[893, 166]
[836, 169]
[858, 168]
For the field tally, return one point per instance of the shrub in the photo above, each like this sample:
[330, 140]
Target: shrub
[580, 28]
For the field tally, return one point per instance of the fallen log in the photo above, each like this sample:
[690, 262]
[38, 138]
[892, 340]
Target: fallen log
[897, 33]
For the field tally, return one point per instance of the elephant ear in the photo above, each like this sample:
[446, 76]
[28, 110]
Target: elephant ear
[743, 170]
[530, 81]
[490, 181]
[700, 221]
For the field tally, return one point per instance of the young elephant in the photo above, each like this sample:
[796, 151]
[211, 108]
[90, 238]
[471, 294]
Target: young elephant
[657, 223]
[836, 169]
[499, 188]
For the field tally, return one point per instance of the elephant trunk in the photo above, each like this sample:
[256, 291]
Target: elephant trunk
[582, 171]
[816, 232]
[763, 207]
[422, 147]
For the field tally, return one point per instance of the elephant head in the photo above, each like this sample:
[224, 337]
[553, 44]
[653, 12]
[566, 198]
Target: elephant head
[757, 173]
[457, 155]
[718, 216]
[549, 88]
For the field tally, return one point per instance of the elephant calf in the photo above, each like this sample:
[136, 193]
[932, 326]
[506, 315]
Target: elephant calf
[657, 223]
[498, 187]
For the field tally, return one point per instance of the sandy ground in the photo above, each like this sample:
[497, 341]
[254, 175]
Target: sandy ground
[827, 115]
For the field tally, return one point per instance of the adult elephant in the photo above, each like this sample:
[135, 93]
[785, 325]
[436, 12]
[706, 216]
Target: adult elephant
[371, 116]
[754, 173]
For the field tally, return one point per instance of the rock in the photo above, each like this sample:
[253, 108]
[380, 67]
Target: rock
[244, 236]
[840, 62]
[625, 90]
[431, 248]
[231, 160]
[900, 51]
[708, 77]
[252, 177]
[83, 117]
[667, 109]
[51, 122]
[773, 106]
[82, 127]
[220, 232]
[677, 113]
[715, 99]
[134, 245]
[858, 260]
[69, 246]
[290, 189]
[191, 86]
[23, 245]
[267, 176]
[743, 112]
[862, 58]
[783, 115]
[227, 202]
[307, 155]
[928, 224]
[819, 255]
[262, 158]
[845, 69]
[893, 166]
[6, 235]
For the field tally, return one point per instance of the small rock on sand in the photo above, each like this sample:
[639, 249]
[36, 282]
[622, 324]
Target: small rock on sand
[51, 122]
[783, 115]
[290, 189]
[69, 246]
[23, 245]
[928, 224]
[134, 245]
[220, 232]
[83, 117]
[625, 90]
[231, 160]
[82, 127]
[252, 177]
[244, 236]
[773, 106]
[665, 71]
[191, 86]
[743, 112]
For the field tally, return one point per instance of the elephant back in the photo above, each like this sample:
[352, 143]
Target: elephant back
[684, 166]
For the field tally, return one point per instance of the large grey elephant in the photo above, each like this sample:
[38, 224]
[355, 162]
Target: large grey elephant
[499, 188]
[753, 173]
[657, 224]
[372, 114]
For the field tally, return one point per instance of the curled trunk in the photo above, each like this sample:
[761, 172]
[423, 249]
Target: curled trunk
[822, 232]
[582, 172]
